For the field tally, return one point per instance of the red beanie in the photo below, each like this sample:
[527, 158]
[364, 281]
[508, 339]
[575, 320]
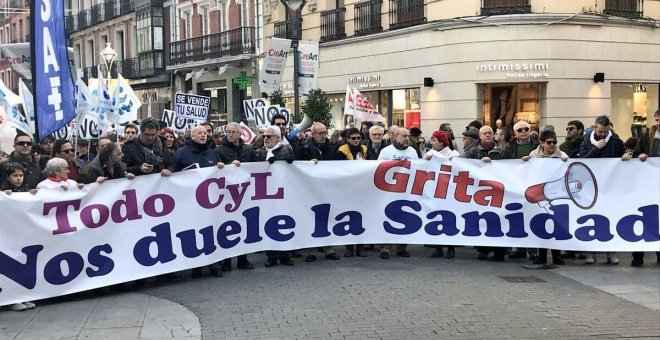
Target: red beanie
[441, 136]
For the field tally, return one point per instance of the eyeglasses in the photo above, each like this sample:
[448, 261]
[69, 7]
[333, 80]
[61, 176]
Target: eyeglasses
[571, 128]
[551, 142]
[24, 143]
[321, 132]
[376, 134]
[67, 151]
[356, 138]
[521, 130]
[267, 136]
[280, 124]
[232, 132]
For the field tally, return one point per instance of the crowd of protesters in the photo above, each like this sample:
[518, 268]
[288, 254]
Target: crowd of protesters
[151, 148]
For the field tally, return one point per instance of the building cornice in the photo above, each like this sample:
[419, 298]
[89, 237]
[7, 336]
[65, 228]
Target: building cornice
[503, 20]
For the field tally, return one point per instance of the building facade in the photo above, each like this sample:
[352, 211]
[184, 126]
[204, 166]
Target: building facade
[454, 61]
[136, 30]
[213, 52]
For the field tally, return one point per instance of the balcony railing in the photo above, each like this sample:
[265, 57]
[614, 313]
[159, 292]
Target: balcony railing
[284, 29]
[625, 8]
[98, 14]
[406, 13]
[145, 65]
[216, 45]
[499, 7]
[368, 17]
[332, 24]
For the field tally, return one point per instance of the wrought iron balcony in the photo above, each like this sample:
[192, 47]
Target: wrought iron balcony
[332, 24]
[499, 7]
[406, 13]
[284, 29]
[625, 8]
[98, 14]
[367, 18]
[145, 65]
[216, 45]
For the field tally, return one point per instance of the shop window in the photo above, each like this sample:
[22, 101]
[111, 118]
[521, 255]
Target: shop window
[505, 104]
[633, 105]
[405, 101]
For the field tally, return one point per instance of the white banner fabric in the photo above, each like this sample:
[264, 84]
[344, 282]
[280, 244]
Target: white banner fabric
[270, 75]
[59, 242]
[308, 74]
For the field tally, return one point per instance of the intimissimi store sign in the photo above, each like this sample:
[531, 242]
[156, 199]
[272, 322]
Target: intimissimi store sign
[517, 70]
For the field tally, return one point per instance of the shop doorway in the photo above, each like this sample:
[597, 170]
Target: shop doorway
[505, 104]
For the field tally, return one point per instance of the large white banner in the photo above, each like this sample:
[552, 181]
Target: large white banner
[59, 242]
[270, 76]
[309, 66]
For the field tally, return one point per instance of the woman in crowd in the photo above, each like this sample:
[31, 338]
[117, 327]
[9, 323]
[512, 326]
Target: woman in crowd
[12, 181]
[353, 149]
[107, 165]
[171, 140]
[548, 149]
[440, 148]
[57, 172]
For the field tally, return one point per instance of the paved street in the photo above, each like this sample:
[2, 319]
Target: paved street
[369, 298]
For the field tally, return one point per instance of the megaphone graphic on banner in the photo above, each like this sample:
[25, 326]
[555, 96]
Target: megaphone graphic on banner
[578, 184]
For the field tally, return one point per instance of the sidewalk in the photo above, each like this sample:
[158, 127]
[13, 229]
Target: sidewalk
[368, 297]
[118, 316]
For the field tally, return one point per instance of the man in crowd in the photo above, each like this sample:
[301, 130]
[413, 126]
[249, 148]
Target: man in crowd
[470, 139]
[486, 149]
[601, 142]
[520, 147]
[234, 151]
[574, 138]
[364, 130]
[446, 128]
[147, 154]
[46, 148]
[130, 132]
[400, 149]
[272, 151]
[415, 133]
[638, 257]
[198, 152]
[318, 148]
[23, 154]
[376, 142]
[62, 148]
[84, 154]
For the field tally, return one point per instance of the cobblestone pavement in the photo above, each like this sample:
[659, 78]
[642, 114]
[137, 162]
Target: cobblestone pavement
[413, 298]
[370, 298]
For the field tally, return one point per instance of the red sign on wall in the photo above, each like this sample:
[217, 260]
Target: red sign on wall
[413, 119]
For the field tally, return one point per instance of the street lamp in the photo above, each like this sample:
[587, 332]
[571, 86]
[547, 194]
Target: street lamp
[108, 55]
[295, 6]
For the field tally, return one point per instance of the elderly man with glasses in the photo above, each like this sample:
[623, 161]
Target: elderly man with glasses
[232, 150]
[22, 154]
[272, 151]
[315, 149]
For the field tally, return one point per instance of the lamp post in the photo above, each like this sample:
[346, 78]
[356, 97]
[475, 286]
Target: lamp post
[295, 6]
[108, 54]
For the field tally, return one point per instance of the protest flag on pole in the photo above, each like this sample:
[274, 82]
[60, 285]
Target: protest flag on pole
[28, 105]
[51, 74]
[126, 102]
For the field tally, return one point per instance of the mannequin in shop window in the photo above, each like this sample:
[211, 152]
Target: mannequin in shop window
[505, 106]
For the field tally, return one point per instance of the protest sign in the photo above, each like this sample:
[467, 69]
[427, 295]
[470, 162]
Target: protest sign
[309, 66]
[177, 124]
[247, 135]
[259, 111]
[60, 242]
[275, 59]
[192, 106]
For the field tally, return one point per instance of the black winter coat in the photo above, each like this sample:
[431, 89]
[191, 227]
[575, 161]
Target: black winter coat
[312, 150]
[229, 152]
[32, 173]
[134, 156]
[613, 149]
